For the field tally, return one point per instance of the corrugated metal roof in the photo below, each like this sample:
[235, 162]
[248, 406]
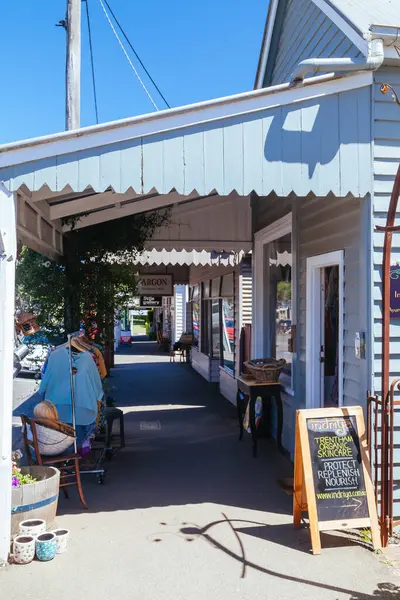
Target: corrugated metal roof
[364, 13]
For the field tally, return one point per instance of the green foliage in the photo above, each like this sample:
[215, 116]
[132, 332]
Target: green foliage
[284, 291]
[23, 479]
[40, 289]
[366, 535]
[96, 277]
[116, 241]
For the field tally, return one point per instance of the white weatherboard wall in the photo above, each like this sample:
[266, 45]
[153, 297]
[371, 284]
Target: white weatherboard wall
[322, 225]
[307, 32]
[180, 311]
[386, 159]
[7, 292]
[325, 225]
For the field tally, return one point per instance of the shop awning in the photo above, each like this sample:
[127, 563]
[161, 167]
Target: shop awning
[313, 138]
[221, 224]
[185, 257]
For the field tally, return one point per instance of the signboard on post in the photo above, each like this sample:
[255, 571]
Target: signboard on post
[151, 284]
[150, 301]
[395, 291]
[332, 474]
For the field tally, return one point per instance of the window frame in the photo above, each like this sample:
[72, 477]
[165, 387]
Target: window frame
[261, 298]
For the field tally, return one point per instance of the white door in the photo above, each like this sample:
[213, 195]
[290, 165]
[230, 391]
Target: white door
[324, 330]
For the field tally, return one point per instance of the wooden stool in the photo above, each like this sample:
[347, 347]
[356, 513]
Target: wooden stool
[251, 389]
[111, 415]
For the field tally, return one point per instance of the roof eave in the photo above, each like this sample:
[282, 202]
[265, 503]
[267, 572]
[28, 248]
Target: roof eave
[265, 44]
[349, 29]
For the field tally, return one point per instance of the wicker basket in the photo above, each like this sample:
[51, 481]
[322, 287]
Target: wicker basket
[186, 339]
[265, 370]
[54, 437]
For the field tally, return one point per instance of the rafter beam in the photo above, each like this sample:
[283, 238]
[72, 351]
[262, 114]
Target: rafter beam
[139, 206]
[87, 204]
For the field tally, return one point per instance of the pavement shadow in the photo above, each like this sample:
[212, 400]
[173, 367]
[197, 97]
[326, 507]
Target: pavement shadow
[384, 590]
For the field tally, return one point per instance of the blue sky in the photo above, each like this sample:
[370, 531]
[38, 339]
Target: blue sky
[194, 51]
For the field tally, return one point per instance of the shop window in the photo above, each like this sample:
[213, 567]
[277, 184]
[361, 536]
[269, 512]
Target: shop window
[280, 301]
[206, 327]
[195, 315]
[228, 323]
[228, 334]
[211, 328]
[216, 328]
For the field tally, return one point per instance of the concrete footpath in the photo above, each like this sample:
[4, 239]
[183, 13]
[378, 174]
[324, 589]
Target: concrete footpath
[186, 513]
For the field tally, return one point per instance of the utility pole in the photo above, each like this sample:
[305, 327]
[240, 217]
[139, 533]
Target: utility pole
[73, 67]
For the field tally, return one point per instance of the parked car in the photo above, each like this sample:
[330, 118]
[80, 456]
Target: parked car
[38, 349]
[20, 352]
[126, 336]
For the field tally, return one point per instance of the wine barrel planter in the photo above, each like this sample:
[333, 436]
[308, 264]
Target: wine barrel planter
[36, 500]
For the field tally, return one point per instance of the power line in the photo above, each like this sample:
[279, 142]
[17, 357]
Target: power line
[92, 61]
[127, 55]
[135, 53]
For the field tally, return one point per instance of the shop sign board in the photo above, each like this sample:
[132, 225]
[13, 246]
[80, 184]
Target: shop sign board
[151, 284]
[395, 291]
[150, 301]
[332, 473]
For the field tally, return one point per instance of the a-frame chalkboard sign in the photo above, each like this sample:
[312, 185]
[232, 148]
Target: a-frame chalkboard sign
[332, 474]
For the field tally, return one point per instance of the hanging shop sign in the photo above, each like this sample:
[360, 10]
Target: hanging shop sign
[151, 284]
[332, 473]
[150, 301]
[395, 291]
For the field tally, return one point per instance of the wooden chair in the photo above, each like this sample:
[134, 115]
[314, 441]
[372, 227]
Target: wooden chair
[68, 464]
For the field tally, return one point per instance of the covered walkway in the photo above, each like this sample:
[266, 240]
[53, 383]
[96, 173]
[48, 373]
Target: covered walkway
[186, 513]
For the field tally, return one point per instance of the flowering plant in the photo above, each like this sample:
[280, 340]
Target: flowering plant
[17, 477]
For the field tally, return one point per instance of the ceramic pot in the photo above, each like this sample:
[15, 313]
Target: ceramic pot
[34, 501]
[46, 546]
[32, 527]
[24, 549]
[62, 537]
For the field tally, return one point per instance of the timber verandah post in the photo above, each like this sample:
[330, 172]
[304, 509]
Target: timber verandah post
[387, 404]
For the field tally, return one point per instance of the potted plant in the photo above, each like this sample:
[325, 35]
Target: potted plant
[34, 493]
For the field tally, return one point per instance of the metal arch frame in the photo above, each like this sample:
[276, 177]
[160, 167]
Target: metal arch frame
[387, 404]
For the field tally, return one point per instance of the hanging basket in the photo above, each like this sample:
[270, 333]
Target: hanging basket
[27, 324]
[265, 370]
[54, 437]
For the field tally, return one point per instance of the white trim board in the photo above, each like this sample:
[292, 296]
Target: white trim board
[175, 119]
[266, 44]
[313, 325]
[8, 248]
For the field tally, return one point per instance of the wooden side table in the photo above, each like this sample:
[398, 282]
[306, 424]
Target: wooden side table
[251, 390]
